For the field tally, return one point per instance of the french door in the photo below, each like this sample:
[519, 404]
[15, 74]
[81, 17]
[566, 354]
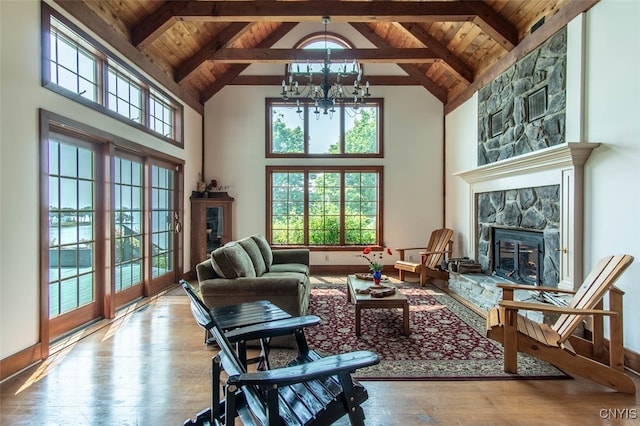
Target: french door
[164, 226]
[74, 280]
[112, 221]
[128, 229]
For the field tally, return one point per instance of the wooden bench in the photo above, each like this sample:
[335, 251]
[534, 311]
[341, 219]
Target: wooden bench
[311, 390]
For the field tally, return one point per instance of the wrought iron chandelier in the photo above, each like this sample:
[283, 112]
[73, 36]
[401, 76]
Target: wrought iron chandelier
[330, 91]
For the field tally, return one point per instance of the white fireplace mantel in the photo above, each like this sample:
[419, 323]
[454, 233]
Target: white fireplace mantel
[558, 165]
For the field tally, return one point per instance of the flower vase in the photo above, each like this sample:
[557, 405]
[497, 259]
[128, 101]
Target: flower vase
[376, 277]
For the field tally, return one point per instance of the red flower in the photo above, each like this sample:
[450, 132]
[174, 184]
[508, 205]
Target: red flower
[375, 260]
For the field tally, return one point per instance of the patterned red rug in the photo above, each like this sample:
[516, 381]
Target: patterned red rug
[446, 341]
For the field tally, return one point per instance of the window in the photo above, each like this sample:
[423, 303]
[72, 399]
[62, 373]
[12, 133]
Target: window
[72, 66]
[108, 215]
[330, 206]
[76, 66]
[162, 216]
[161, 114]
[128, 214]
[324, 206]
[72, 233]
[294, 131]
[124, 96]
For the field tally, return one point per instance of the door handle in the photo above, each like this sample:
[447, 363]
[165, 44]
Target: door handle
[177, 227]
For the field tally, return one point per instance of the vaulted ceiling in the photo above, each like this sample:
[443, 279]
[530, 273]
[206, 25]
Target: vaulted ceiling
[451, 48]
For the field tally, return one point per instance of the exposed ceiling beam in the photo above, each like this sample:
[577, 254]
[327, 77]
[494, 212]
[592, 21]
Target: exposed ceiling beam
[383, 55]
[413, 71]
[276, 80]
[454, 63]
[552, 25]
[159, 21]
[221, 40]
[234, 70]
[494, 24]
[313, 11]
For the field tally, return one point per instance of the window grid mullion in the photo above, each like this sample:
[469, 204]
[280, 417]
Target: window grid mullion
[306, 208]
[342, 208]
[147, 107]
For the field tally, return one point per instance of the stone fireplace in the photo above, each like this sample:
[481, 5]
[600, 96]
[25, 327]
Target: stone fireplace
[501, 197]
[526, 223]
[528, 182]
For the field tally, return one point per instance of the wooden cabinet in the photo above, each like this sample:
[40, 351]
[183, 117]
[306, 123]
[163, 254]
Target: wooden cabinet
[210, 226]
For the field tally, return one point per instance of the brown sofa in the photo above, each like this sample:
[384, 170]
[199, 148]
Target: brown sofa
[248, 270]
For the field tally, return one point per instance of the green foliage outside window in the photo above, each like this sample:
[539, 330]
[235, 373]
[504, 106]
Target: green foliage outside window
[285, 139]
[326, 211]
[328, 219]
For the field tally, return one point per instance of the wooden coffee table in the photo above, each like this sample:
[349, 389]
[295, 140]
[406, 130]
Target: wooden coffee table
[365, 301]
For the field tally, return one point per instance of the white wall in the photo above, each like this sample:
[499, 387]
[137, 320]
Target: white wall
[462, 147]
[612, 173]
[235, 156]
[21, 97]
[609, 115]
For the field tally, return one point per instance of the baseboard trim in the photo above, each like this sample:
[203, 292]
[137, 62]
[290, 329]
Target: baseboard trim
[27, 357]
[19, 361]
[631, 358]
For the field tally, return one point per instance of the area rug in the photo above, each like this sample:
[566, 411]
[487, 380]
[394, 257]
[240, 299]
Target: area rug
[446, 341]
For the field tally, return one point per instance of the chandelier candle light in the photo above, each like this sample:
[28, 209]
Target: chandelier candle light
[330, 91]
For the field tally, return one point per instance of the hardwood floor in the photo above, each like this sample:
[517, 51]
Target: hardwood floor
[152, 367]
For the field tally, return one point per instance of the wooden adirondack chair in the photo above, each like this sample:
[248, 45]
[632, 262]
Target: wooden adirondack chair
[312, 390]
[440, 244]
[556, 344]
[251, 321]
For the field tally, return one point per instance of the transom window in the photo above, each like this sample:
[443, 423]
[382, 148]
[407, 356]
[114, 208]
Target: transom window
[125, 95]
[161, 114]
[325, 206]
[78, 67]
[72, 66]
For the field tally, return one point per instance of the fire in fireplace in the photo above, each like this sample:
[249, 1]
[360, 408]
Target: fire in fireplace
[518, 255]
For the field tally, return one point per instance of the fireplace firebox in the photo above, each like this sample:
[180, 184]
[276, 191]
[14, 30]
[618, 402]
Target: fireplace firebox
[518, 255]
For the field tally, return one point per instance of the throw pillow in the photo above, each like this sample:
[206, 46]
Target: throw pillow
[232, 261]
[265, 249]
[251, 247]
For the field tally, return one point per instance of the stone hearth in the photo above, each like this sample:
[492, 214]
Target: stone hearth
[482, 291]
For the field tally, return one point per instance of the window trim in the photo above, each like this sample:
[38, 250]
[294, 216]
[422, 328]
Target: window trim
[339, 115]
[106, 58]
[269, 170]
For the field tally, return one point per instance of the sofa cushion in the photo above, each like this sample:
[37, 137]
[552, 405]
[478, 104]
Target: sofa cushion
[265, 249]
[290, 267]
[251, 247]
[232, 261]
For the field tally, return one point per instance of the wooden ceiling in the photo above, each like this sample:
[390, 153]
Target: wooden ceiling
[451, 48]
